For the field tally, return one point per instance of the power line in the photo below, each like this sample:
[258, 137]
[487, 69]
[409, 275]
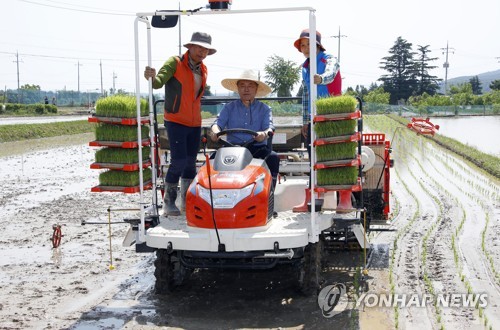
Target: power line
[79, 10]
[69, 57]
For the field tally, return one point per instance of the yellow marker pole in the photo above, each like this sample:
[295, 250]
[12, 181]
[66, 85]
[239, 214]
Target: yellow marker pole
[111, 267]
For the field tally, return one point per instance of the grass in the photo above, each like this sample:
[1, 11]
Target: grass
[110, 132]
[336, 151]
[120, 106]
[336, 104]
[337, 176]
[335, 128]
[120, 156]
[20, 132]
[123, 179]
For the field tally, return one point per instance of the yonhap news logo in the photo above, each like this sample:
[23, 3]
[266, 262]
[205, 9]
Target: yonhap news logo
[334, 299]
[403, 300]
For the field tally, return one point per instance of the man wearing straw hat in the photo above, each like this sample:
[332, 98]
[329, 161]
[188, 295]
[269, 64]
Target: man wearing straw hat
[249, 113]
[184, 79]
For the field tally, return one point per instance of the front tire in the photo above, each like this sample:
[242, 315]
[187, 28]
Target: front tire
[308, 270]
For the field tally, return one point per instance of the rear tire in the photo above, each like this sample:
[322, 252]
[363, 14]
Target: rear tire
[169, 272]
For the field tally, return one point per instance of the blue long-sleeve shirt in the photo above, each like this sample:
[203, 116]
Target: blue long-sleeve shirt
[327, 68]
[257, 117]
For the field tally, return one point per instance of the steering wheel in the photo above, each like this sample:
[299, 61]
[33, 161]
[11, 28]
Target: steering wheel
[236, 130]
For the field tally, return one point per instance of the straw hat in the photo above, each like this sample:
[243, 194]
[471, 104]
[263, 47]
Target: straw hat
[202, 39]
[305, 34]
[231, 83]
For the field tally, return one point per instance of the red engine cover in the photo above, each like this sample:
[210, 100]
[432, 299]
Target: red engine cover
[253, 211]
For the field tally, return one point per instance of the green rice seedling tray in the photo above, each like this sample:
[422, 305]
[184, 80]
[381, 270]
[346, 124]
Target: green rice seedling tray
[116, 144]
[121, 167]
[111, 132]
[336, 104]
[346, 175]
[121, 155]
[336, 151]
[337, 163]
[121, 106]
[338, 116]
[127, 190]
[117, 120]
[338, 139]
[335, 128]
[355, 187]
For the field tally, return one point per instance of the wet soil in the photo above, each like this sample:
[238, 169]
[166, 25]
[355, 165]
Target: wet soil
[441, 208]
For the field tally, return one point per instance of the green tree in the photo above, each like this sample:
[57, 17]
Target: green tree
[360, 91]
[281, 75]
[475, 83]
[426, 83]
[208, 91]
[378, 96]
[401, 79]
[495, 85]
[464, 88]
[461, 94]
[28, 87]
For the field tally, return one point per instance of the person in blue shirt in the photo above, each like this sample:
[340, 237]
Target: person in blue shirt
[248, 113]
[327, 82]
[327, 79]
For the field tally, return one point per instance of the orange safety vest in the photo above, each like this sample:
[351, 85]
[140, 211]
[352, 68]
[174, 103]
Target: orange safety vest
[182, 106]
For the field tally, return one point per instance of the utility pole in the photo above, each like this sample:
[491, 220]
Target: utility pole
[78, 66]
[338, 50]
[18, 86]
[17, 63]
[446, 65]
[100, 65]
[114, 77]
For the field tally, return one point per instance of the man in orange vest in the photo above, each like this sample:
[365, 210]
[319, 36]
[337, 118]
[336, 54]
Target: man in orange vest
[184, 79]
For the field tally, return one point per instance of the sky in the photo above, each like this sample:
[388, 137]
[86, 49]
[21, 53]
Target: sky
[66, 44]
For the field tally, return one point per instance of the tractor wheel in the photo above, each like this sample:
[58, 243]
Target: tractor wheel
[169, 272]
[308, 271]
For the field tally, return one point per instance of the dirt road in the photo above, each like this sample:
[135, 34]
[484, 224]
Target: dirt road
[446, 240]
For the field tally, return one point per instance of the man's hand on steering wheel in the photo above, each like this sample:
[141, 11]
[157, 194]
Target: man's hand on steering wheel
[261, 136]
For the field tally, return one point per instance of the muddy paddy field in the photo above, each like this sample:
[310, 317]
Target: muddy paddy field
[446, 221]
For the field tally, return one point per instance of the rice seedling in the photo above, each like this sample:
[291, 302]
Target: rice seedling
[123, 179]
[335, 128]
[337, 176]
[336, 151]
[121, 133]
[336, 104]
[122, 106]
[120, 156]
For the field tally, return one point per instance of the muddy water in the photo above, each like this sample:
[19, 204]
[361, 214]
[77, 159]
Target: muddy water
[482, 132]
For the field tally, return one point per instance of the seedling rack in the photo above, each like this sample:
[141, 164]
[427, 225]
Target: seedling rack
[123, 167]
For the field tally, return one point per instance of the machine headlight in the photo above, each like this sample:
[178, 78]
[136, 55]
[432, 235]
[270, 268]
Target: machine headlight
[259, 184]
[225, 198]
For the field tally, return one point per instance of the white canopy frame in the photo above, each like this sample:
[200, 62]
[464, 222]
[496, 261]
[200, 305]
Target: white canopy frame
[143, 18]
